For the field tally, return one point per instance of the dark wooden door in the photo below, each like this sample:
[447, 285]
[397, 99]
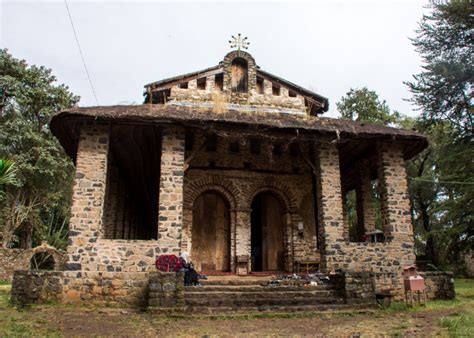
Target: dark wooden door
[211, 233]
[268, 228]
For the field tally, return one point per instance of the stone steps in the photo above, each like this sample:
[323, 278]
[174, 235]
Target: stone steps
[260, 293]
[232, 310]
[246, 301]
[255, 288]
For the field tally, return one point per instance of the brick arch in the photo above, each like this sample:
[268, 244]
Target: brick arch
[197, 187]
[281, 191]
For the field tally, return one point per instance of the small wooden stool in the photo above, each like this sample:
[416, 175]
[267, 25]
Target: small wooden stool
[308, 264]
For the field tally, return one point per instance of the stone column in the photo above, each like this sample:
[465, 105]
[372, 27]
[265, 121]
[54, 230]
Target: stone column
[88, 195]
[170, 222]
[365, 203]
[345, 217]
[331, 224]
[242, 236]
[395, 202]
[267, 87]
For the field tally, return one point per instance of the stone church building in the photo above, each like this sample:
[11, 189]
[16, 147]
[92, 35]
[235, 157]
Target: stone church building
[240, 169]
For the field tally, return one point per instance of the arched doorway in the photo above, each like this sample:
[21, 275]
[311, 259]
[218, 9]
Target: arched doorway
[267, 233]
[211, 233]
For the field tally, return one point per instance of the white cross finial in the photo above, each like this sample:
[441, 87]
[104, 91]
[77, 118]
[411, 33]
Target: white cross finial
[239, 42]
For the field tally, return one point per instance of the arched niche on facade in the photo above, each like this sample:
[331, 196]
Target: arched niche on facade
[239, 75]
[240, 72]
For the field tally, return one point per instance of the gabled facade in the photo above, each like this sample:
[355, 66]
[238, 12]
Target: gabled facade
[238, 81]
[236, 167]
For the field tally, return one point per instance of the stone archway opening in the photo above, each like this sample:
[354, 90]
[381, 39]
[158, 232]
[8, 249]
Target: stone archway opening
[42, 261]
[211, 233]
[268, 219]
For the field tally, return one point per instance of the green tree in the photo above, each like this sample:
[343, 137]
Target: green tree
[29, 96]
[442, 186]
[364, 105]
[443, 90]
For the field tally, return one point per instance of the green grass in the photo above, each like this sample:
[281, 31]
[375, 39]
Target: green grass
[464, 288]
[4, 282]
[460, 324]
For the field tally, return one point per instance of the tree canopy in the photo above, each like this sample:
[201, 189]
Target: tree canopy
[364, 105]
[443, 90]
[38, 196]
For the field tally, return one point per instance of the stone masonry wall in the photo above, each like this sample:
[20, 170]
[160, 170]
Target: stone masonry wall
[88, 250]
[85, 225]
[166, 290]
[439, 285]
[387, 257]
[20, 259]
[266, 100]
[125, 288]
[10, 260]
[239, 186]
[171, 190]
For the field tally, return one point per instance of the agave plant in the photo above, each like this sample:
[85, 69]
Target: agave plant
[7, 174]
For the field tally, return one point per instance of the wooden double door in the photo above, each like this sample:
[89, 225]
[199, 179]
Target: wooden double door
[211, 233]
[267, 233]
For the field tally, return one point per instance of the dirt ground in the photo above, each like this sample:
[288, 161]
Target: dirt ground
[63, 320]
[69, 321]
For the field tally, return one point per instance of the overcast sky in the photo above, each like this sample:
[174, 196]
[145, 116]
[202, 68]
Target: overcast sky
[326, 46]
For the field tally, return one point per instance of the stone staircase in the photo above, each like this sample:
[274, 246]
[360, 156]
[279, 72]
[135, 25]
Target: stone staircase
[231, 293]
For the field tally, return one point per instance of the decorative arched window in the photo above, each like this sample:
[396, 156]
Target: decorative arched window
[239, 75]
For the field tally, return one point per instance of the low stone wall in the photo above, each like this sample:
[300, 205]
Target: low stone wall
[30, 287]
[363, 286]
[10, 260]
[20, 259]
[355, 287]
[166, 290]
[439, 285]
[129, 289]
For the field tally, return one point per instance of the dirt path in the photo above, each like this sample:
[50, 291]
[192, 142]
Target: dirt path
[107, 321]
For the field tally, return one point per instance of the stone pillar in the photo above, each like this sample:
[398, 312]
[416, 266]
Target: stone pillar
[186, 240]
[365, 203]
[395, 202]
[111, 207]
[88, 194]
[267, 87]
[242, 236]
[171, 190]
[331, 224]
[345, 217]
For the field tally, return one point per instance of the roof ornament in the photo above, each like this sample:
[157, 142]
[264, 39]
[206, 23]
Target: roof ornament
[239, 42]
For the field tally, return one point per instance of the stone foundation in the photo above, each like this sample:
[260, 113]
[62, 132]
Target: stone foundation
[439, 285]
[166, 290]
[129, 289]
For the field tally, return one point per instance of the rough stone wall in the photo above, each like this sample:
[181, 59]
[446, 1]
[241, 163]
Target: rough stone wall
[10, 260]
[85, 225]
[20, 259]
[439, 285]
[126, 288]
[166, 290]
[289, 181]
[365, 204]
[171, 190]
[387, 257]
[266, 100]
[29, 287]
